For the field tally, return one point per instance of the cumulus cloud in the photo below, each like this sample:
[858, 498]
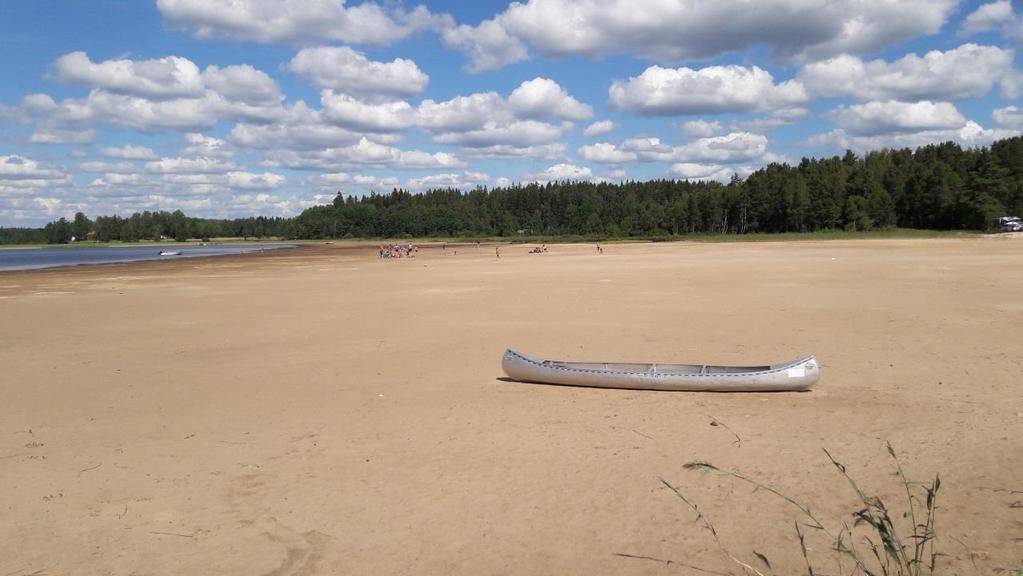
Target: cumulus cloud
[161, 94]
[998, 16]
[189, 166]
[363, 153]
[170, 77]
[891, 116]
[334, 180]
[968, 71]
[563, 172]
[702, 128]
[599, 128]
[1010, 117]
[115, 179]
[58, 136]
[300, 128]
[485, 120]
[970, 134]
[543, 98]
[242, 180]
[514, 133]
[19, 175]
[129, 152]
[461, 112]
[556, 151]
[353, 113]
[462, 181]
[730, 148]
[109, 167]
[243, 84]
[346, 70]
[696, 29]
[489, 45]
[298, 21]
[705, 172]
[207, 146]
[606, 153]
[711, 90]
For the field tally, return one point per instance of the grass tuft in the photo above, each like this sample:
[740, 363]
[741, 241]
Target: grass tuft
[874, 545]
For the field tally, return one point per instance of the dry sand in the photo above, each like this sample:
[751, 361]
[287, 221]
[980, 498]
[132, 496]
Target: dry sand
[322, 411]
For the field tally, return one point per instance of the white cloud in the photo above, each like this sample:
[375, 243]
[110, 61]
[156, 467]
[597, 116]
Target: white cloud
[606, 153]
[969, 135]
[298, 21]
[363, 153]
[352, 113]
[461, 112]
[703, 172]
[998, 16]
[697, 29]
[727, 149]
[189, 166]
[19, 175]
[1010, 117]
[968, 71]
[873, 118]
[332, 181]
[488, 45]
[249, 181]
[170, 77]
[199, 145]
[129, 152]
[486, 120]
[714, 89]
[702, 128]
[300, 128]
[145, 115]
[556, 151]
[112, 179]
[345, 70]
[599, 128]
[544, 98]
[514, 133]
[243, 84]
[463, 181]
[110, 167]
[57, 136]
[160, 94]
[562, 172]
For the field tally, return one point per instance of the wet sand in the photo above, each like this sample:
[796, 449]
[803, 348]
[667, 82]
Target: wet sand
[322, 411]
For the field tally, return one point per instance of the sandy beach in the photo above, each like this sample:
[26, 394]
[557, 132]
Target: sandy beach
[323, 411]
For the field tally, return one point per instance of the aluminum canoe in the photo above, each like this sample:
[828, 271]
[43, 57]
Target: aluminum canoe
[796, 375]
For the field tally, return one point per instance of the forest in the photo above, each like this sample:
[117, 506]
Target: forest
[940, 187]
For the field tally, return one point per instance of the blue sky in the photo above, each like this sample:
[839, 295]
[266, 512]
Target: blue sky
[239, 107]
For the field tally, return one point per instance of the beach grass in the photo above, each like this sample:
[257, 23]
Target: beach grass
[880, 541]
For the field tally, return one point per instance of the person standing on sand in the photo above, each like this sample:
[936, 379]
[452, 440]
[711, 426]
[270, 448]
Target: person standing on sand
[497, 251]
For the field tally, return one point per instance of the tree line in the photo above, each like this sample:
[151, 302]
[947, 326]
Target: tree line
[941, 186]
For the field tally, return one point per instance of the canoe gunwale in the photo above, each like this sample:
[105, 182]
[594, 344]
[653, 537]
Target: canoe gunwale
[560, 366]
[794, 376]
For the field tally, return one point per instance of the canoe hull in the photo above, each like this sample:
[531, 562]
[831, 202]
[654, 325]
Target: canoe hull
[797, 375]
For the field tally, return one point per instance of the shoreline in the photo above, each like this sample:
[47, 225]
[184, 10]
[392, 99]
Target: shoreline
[64, 266]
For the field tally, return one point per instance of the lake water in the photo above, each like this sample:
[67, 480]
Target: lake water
[32, 258]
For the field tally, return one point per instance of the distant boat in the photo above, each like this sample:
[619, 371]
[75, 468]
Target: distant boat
[788, 376]
[170, 252]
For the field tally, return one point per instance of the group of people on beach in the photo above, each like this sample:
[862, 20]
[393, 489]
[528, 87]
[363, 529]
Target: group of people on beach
[399, 251]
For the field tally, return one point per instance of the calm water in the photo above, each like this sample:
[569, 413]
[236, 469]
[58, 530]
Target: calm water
[30, 258]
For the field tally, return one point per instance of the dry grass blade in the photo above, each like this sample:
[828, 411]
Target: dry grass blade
[710, 528]
[884, 550]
